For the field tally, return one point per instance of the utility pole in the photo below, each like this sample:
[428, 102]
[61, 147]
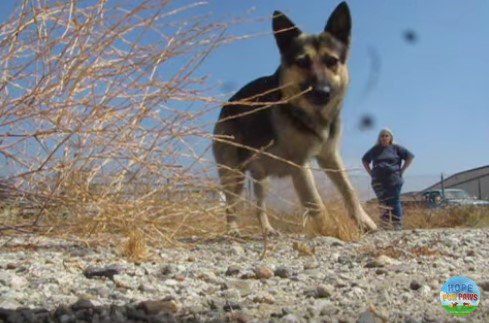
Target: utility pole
[442, 184]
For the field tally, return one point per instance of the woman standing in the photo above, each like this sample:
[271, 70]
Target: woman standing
[389, 162]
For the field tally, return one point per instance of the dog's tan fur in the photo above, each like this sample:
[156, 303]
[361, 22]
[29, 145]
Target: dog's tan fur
[276, 125]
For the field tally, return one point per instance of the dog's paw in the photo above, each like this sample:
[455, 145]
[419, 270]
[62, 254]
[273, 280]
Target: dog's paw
[271, 232]
[365, 222]
[233, 229]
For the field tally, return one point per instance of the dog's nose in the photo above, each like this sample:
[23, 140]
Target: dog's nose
[321, 95]
[323, 89]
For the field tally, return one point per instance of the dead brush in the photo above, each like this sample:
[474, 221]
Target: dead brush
[135, 248]
[97, 117]
[449, 217]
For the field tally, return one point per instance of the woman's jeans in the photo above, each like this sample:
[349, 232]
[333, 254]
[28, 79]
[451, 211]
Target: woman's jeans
[389, 197]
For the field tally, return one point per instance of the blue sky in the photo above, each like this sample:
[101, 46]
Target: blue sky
[432, 93]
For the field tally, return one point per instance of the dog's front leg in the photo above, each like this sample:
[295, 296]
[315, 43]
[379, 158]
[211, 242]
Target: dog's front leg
[305, 187]
[260, 187]
[332, 164]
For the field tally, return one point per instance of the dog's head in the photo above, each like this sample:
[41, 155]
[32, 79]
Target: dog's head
[314, 63]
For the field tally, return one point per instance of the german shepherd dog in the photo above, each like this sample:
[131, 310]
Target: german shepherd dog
[277, 124]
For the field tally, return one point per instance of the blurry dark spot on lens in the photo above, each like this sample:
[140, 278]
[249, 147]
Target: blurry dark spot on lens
[366, 122]
[410, 36]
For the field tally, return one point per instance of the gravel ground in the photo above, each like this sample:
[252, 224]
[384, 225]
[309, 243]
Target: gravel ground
[385, 277]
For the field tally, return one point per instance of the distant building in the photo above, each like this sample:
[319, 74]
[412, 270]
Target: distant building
[474, 181]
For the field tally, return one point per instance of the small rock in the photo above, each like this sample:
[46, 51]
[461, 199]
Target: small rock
[231, 294]
[232, 270]
[366, 317]
[484, 285]
[471, 253]
[208, 277]
[238, 317]
[5, 279]
[146, 288]
[231, 306]
[67, 318]
[425, 290]
[451, 242]
[344, 259]
[125, 281]
[171, 282]
[9, 304]
[411, 319]
[245, 287]
[167, 270]
[237, 250]
[381, 271]
[62, 310]
[179, 277]
[18, 283]
[357, 292]
[406, 297]
[328, 310]
[282, 272]
[166, 305]
[334, 257]
[136, 314]
[324, 291]
[414, 285]
[335, 242]
[386, 260]
[290, 318]
[267, 299]
[263, 273]
[428, 318]
[310, 312]
[248, 275]
[82, 304]
[311, 293]
[311, 265]
[108, 271]
[373, 264]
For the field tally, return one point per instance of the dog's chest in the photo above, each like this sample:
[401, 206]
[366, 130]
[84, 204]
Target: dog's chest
[299, 146]
[292, 147]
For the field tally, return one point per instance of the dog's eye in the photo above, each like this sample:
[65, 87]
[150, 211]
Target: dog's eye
[303, 62]
[331, 62]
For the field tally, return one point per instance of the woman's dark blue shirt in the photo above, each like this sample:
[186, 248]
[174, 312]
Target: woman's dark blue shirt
[387, 163]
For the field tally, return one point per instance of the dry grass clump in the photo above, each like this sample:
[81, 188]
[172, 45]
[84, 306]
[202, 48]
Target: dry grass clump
[449, 217]
[97, 125]
[135, 248]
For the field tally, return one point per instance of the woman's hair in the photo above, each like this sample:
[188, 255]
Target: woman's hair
[385, 131]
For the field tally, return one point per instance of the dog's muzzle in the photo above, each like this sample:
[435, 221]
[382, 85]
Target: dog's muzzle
[319, 95]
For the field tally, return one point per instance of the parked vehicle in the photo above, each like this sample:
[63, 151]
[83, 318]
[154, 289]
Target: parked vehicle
[451, 197]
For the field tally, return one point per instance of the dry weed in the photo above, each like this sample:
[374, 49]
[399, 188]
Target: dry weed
[135, 248]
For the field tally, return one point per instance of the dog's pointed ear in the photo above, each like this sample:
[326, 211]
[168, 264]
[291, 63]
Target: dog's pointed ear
[339, 23]
[284, 30]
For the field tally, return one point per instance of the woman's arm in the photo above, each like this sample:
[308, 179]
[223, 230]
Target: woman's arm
[367, 168]
[406, 164]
